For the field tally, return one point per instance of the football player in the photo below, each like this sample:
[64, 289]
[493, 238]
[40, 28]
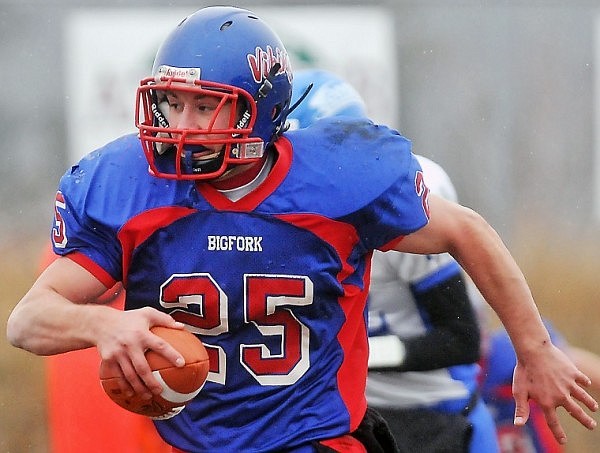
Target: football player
[259, 241]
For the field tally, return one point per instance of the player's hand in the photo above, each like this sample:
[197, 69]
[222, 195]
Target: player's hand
[552, 380]
[122, 341]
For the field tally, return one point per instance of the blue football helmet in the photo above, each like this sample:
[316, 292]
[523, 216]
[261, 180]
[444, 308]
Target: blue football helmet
[227, 53]
[329, 96]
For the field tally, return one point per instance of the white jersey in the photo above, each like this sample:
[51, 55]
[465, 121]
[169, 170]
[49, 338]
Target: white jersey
[437, 180]
[393, 310]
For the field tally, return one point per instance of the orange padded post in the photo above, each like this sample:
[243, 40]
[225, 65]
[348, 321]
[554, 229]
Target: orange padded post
[80, 415]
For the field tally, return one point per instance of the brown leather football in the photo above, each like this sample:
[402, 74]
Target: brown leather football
[180, 384]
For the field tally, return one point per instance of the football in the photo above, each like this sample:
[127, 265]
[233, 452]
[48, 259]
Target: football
[180, 385]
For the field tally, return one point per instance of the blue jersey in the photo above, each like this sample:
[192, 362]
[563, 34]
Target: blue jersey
[274, 284]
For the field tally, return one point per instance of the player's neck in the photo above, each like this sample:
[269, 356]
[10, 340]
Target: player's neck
[238, 185]
[239, 176]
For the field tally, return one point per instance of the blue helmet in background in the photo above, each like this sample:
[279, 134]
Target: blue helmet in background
[232, 55]
[329, 96]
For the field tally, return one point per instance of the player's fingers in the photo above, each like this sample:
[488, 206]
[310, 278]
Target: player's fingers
[521, 400]
[521, 411]
[142, 368]
[163, 348]
[135, 380]
[555, 426]
[577, 412]
[156, 343]
[158, 318]
[583, 380]
[114, 369]
[144, 372]
[582, 395]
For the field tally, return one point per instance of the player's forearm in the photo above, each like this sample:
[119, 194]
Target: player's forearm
[46, 323]
[482, 254]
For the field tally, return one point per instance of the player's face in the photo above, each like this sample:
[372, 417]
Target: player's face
[201, 112]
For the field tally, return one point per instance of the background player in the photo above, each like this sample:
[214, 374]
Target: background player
[205, 239]
[419, 305]
[499, 362]
[429, 394]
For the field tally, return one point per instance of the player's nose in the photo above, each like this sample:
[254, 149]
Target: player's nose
[186, 119]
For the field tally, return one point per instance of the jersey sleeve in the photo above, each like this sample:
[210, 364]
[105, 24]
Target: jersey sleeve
[81, 223]
[401, 206]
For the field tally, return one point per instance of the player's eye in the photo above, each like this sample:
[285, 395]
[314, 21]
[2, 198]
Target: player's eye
[174, 103]
[207, 105]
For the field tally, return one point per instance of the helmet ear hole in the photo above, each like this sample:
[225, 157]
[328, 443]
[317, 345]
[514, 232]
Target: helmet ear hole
[277, 109]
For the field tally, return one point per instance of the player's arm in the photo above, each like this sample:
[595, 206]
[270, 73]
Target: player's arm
[57, 315]
[453, 340]
[543, 372]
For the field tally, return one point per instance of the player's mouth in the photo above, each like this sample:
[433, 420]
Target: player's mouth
[200, 153]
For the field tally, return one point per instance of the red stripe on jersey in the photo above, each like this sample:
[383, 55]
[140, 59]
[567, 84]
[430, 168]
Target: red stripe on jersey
[504, 391]
[140, 227]
[345, 444]
[93, 268]
[542, 431]
[352, 375]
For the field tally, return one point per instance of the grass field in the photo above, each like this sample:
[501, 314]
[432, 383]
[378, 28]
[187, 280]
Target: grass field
[22, 396]
[563, 276]
[563, 272]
